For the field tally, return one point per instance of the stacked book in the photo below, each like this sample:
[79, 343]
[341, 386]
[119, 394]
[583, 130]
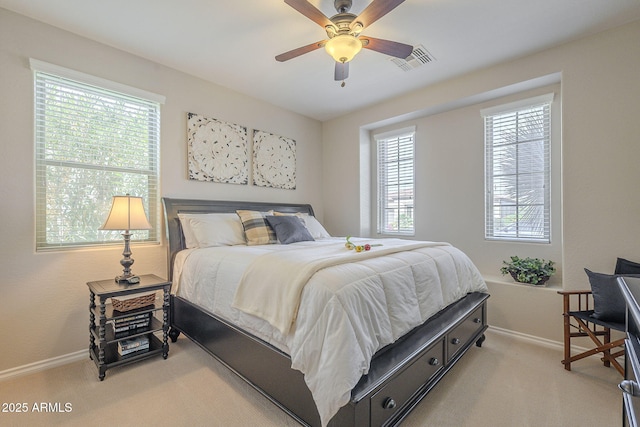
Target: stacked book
[131, 324]
[133, 345]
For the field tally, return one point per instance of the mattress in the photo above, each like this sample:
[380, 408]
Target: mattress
[347, 311]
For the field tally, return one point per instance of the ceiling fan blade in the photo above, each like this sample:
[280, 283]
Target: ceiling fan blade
[399, 50]
[300, 51]
[310, 11]
[376, 10]
[342, 71]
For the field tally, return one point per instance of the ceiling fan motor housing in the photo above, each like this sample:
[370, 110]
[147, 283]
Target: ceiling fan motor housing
[341, 23]
[342, 6]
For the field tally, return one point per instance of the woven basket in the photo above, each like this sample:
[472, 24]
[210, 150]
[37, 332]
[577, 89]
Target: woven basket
[133, 303]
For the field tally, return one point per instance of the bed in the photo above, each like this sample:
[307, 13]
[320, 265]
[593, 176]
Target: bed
[405, 366]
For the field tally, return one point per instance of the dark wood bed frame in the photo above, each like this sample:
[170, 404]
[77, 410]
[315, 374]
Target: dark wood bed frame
[400, 374]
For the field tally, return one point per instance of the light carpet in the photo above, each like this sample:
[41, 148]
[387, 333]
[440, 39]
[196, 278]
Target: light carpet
[507, 382]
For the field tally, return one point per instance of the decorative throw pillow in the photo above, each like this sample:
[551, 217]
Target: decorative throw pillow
[289, 229]
[624, 266]
[608, 303]
[256, 229]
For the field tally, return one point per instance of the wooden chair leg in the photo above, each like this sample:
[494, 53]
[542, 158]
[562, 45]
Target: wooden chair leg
[607, 353]
[617, 354]
[600, 334]
[605, 347]
[567, 337]
[611, 357]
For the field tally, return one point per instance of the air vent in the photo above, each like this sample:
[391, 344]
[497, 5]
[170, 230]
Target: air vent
[418, 57]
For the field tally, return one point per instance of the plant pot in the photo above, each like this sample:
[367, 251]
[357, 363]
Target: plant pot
[542, 282]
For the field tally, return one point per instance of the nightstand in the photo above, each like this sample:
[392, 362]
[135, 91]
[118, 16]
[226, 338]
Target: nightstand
[117, 337]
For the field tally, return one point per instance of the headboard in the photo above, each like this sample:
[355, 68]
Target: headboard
[173, 229]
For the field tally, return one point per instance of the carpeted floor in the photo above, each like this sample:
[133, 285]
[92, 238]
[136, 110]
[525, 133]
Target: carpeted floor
[507, 382]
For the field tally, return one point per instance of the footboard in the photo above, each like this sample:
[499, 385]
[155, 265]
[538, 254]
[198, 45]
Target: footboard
[399, 377]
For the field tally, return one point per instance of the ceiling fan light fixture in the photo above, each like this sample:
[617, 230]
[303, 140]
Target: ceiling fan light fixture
[343, 47]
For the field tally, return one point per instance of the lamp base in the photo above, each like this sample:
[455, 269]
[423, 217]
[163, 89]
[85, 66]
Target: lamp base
[127, 276]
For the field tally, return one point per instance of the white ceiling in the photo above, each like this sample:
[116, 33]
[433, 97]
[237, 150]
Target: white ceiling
[233, 42]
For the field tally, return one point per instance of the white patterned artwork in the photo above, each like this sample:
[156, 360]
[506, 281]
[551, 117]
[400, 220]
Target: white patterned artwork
[218, 151]
[274, 161]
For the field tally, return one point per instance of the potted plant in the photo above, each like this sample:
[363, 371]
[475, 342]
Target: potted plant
[534, 271]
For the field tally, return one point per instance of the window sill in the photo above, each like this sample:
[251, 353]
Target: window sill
[502, 281]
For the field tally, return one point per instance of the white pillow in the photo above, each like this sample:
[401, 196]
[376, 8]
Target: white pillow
[315, 228]
[215, 229]
[189, 239]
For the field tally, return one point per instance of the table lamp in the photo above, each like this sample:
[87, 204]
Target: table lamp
[127, 213]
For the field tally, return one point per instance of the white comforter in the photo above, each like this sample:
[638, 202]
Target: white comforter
[346, 312]
[271, 286]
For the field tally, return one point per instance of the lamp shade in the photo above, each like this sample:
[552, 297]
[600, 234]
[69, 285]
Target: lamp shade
[343, 47]
[127, 213]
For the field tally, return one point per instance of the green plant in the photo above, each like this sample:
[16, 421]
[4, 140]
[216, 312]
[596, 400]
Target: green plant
[534, 271]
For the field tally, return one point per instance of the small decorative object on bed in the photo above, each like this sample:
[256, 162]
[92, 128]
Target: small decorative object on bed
[359, 248]
[274, 161]
[218, 151]
[532, 271]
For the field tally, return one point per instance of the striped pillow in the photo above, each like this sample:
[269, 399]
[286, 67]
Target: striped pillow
[256, 228]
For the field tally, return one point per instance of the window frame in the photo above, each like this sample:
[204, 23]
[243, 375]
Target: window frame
[381, 207]
[544, 102]
[44, 73]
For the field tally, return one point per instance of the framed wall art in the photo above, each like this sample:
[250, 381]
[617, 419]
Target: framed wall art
[218, 150]
[274, 161]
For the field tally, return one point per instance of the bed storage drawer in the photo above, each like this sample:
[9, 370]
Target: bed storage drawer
[400, 389]
[459, 336]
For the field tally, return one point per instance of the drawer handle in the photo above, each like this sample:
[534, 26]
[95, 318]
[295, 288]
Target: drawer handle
[434, 361]
[630, 387]
[455, 341]
[477, 320]
[389, 403]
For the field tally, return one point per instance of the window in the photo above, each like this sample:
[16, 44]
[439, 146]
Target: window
[396, 181]
[94, 139]
[517, 164]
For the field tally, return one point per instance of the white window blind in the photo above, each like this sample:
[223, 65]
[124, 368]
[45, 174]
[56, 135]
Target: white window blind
[91, 143]
[517, 165]
[396, 182]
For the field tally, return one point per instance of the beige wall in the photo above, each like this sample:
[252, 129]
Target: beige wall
[43, 311]
[598, 196]
[44, 304]
[449, 199]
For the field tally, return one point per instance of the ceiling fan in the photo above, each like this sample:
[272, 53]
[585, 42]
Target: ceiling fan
[344, 31]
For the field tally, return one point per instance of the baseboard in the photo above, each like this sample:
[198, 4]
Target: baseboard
[556, 345]
[532, 339]
[43, 365]
[82, 354]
